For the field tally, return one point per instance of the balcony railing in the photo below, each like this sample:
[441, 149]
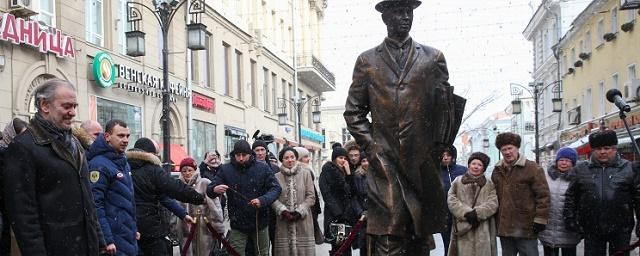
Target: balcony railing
[313, 72]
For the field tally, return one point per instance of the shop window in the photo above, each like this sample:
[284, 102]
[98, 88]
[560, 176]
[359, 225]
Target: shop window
[231, 135]
[46, 12]
[93, 22]
[130, 114]
[204, 139]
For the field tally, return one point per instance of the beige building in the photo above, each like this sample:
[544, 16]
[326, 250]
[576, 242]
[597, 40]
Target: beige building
[236, 82]
[599, 53]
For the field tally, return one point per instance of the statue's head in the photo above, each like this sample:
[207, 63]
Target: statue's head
[397, 15]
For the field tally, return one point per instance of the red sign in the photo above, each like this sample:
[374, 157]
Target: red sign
[21, 31]
[203, 102]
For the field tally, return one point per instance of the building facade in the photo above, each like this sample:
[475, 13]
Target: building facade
[218, 95]
[551, 20]
[598, 54]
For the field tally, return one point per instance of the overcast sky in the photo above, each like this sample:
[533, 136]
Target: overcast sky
[481, 40]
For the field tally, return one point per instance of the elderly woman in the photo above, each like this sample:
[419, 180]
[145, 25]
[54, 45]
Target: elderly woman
[556, 237]
[473, 202]
[304, 158]
[203, 242]
[294, 226]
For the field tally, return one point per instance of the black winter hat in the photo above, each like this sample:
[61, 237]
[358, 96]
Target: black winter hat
[146, 145]
[603, 138]
[242, 146]
[480, 156]
[259, 143]
[339, 151]
[508, 138]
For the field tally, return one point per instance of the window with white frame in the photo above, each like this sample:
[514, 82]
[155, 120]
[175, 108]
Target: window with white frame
[615, 81]
[93, 22]
[614, 20]
[586, 102]
[46, 11]
[122, 26]
[631, 15]
[631, 72]
[600, 32]
[587, 42]
[601, 97]
[573, 56]
[200, 61]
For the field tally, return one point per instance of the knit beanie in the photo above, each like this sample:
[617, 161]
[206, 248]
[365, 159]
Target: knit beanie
[567, 153]
[603, 138]
[146, 145]
[338, 151]
[188, 162]
[259, 143]
[508, 138]
[241, 146]
[482, 157]
[284, 150]
[302, 152]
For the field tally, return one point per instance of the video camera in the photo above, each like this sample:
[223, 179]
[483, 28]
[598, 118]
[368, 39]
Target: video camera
[267, 138]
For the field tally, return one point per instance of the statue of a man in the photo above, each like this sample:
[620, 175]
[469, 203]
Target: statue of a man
[414, 116]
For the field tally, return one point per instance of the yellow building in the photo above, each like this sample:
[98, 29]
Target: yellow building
[598, 53]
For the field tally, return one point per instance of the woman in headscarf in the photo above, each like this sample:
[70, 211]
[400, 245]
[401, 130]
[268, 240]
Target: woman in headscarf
[473, 202]
[203, 242]
[304, 158]
[294, 225]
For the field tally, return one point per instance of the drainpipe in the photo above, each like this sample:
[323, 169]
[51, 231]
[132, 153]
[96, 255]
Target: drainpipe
[189, 88]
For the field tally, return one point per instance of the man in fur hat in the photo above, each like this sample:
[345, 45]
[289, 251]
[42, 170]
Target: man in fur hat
[523, 196]
[414, 115]
[601, 201]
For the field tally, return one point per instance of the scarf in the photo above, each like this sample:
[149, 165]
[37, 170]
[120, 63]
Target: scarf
[468, 178]
[63, 136]
[291, 188]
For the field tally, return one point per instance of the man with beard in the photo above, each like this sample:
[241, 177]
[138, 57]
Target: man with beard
[46, 181]
[251, 188]
[414, 114]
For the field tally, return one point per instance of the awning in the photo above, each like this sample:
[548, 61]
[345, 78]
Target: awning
[581, 145]
[177, 154]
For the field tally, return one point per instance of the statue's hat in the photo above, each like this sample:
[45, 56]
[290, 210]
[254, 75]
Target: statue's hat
[385, 4]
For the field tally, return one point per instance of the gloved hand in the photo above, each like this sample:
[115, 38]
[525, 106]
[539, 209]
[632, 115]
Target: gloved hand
[287, 215]
[296, 216]
[537, 227]
[472, 218]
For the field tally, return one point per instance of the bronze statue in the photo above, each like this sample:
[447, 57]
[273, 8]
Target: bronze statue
[414, 116]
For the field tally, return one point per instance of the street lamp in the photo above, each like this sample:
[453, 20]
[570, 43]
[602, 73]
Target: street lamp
[298, 106]
[538, 88]
[164, 11]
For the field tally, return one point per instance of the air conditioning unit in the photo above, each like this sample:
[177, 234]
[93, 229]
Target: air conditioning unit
[631, 92]
[22, 8]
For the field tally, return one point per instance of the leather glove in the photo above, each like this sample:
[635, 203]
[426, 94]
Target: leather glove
[537, 228]
[296, 216]
[472, 218]
[287, 215]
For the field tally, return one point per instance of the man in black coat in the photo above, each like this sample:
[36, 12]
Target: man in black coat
[151, 186]
[251, 188]
[46, 184]
[603, 197]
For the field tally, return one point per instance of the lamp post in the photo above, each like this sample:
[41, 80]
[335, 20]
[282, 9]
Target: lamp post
[164, 11]
[298, 106]
[538, 88]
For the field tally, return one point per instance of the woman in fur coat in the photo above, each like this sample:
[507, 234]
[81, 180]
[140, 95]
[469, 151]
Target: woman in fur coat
[294, 225]
[473, 202]
[204, 241]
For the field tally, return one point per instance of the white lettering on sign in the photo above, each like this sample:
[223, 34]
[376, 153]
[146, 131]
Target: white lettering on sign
[21, 31]
[152, 85]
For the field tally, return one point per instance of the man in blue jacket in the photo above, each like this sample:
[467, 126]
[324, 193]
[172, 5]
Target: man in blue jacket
[112, 188]
[449, 170]
[251, 189]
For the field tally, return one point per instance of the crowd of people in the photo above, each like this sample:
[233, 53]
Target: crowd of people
[81, 191]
